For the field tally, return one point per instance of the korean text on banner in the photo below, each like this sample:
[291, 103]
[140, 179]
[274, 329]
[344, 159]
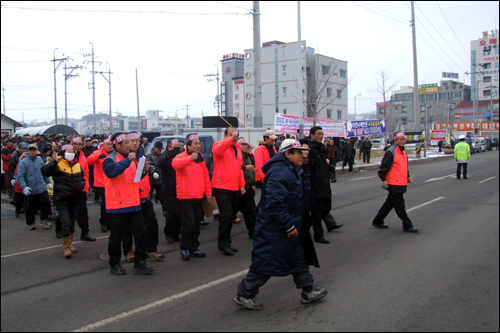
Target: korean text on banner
[287, 124]
[366, 127]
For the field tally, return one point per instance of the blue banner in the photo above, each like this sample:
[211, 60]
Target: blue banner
[365, 127]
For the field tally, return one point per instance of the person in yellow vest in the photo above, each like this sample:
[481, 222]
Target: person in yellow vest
[462, 156]
[69, 182]
[123, 205]
[395, 178]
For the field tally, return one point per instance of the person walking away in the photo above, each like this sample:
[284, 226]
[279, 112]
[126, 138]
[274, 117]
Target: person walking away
[69, 181]
[193, 183]
[227, 183]
[367, 148]
[19, 198]
[278, 247]
[332, 159]
[263, 153]
[320, 175]
[349, 155]
[34, 185]
[462, 156]
[123, 205]
[154, 171]
[246, 202]
[7, 152]
[96, 159]
[169, 192]
[395, 177]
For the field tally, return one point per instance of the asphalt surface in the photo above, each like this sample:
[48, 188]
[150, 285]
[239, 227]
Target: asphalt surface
[445, 278]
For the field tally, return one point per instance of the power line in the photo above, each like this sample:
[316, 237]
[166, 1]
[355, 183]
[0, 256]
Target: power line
[406, 23]
[18, 62]
[468, 55]
[369, 4]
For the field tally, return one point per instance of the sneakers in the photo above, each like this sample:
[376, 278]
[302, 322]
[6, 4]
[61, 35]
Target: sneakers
[185, 255]
[156, 256]
[315, 294]
[249, 303]
[197, 254]
[117, 270]
[143, 267]
[104, 228]
[45, 223]
[32, 226]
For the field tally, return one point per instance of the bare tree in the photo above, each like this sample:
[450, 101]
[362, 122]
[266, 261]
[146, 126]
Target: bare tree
[324, 88]
[384, 76]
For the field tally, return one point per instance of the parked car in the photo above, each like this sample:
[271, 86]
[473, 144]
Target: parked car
[206, 142]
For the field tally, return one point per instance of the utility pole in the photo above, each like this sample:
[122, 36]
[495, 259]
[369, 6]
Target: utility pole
[355, 106]
[187, 115]
[3, 97]
[475, 95]
[299, 75]
[176, 125]
[416, 110]
[216, 79]
[55, 85]
[257, 66]
[93, 83]
[138, 113]
[109, 81]
[66, 78]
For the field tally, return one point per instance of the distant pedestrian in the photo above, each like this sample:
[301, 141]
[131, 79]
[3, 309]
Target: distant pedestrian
[462, 156]
[349, 155]
[366, 146]
[395, 177]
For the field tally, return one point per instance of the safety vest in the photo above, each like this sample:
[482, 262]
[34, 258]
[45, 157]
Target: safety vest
[462, 152]
[398, 175]
[121, 191]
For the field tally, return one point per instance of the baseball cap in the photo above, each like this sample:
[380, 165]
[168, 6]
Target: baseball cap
[23, 145]
[270, 134]
[33, 146]
[291, 144]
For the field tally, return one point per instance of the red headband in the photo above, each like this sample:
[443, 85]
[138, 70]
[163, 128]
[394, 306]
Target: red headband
[76, 139]
[174, 141]
[192, 137]
[134, 136]
[67, 147]
[398, 135]
[120, 138]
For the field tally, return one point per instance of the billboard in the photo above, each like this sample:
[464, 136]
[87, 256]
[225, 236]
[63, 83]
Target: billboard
[288, 124]
[365, 127]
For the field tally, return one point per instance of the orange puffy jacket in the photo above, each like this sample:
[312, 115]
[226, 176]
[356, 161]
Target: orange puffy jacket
[94, 160]
[398, 174]
[192, 178]
[122, 194]
[261, 155]
[228, 172]
[80, 158]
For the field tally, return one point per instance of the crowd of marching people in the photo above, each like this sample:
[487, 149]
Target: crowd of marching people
[56, 175]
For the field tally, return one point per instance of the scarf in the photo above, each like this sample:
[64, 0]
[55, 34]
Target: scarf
[200, 156]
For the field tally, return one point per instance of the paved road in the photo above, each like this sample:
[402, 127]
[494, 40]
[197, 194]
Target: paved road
[445, 278]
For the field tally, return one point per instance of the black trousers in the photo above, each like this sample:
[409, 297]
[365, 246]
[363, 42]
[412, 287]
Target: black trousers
[67, 220]
[459, 166]
[191, 211]
[246, 204]
[156, 188]
[250, 285]
[118, 223]
[18, 201]
[173, 221]
[228, 206]
[83, 213]
[396, 201]
[33, 203]
[349, 161]
[100, 193]
[319, 212]
[333, 173]
[366, 155]
[151, 233]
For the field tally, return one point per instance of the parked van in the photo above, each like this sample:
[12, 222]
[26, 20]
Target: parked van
[478, 144]
[206, 142]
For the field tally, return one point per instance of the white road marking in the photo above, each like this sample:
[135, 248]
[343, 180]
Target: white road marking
[486, 180]
[424, 204]
[361, 178]
[44, 248]
[129, 314]
[440, 178]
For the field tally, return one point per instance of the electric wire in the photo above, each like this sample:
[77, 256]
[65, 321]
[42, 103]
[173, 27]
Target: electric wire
[468, 55]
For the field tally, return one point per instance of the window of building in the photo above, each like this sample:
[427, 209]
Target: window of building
[237, 87]
[237, 96]
[381, 110]
[486, 93]
[328, 92]
[398, 97]
[403, 109]
[487, 66]
[422, 108]
[421, 98]
[284, 50]
[408, 97]
[284, 91]
[237, 105]
[487, 79]
[404, 120]
[339, 114]
[430, 97]
[237, 114]
[328, 114]
[284, 69]
[457, 95]
[284, 111]
[339, 94]
[342, 74]
[422, 120]
[325, 70]
[454, 86]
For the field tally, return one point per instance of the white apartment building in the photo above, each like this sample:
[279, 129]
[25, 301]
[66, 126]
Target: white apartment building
[484, 58]
[324, 82]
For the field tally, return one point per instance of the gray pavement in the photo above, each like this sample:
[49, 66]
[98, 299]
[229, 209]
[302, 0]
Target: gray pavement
[445, 278]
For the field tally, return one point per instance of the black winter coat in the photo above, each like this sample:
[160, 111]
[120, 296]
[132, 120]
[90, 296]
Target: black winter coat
[279, 211]
[320, 172]
[69, 181]
[168, 174]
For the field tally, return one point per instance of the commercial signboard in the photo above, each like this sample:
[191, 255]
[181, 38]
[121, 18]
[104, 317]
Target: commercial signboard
[288, 124]
[467, 126]
[365, 127]
[414, 137]
[438, 135]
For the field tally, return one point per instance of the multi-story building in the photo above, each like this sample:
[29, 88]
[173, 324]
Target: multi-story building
[485, 66]
[231, 96]
[438, 100]
[324, 83]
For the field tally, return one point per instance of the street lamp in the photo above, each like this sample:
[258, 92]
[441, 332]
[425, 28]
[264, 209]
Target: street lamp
[427, 107]
[449, 118]
[55, 87]
[491, 109]
[355, 105]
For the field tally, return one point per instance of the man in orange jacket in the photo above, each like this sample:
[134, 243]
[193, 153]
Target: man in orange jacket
[395, 178]
[227, 183]
[193, 183]
[262, 154]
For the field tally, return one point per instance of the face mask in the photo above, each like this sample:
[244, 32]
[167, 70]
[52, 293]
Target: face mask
[69, 156]
[94, 145]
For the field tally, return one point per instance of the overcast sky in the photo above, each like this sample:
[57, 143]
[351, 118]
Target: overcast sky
[174, 44]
